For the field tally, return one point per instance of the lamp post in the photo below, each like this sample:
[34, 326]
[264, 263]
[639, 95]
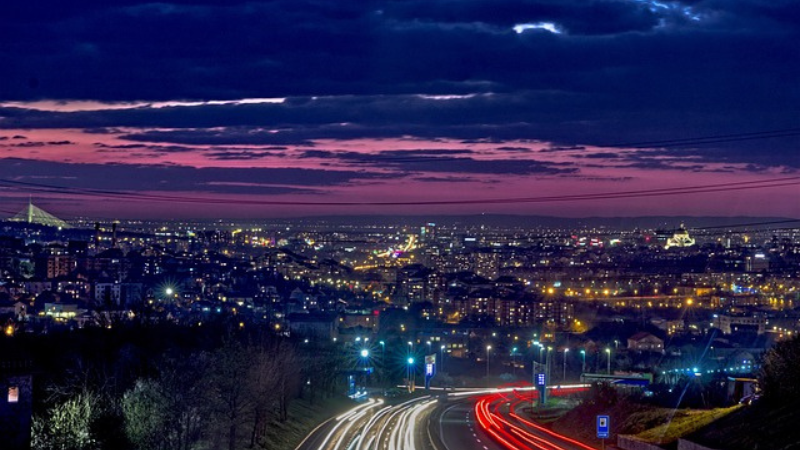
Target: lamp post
[488, 349]
[514, 359]
[608, 365]
[382, 360]
[564, 376]
[583, 362]
[365, 359]
[410, 373]
[549, 352]
[441, 363]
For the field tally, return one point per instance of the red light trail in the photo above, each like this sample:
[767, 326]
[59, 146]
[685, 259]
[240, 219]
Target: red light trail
[512, 431]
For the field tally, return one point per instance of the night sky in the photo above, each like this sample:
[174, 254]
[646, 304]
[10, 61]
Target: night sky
[258, 109]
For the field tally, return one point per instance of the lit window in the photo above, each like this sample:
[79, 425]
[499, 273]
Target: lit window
[13, 394]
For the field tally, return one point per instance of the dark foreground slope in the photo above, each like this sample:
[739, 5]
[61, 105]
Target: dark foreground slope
[757, 427]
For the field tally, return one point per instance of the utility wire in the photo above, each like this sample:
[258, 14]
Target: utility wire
[698, 189]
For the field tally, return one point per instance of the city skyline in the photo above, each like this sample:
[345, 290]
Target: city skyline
[279, 109]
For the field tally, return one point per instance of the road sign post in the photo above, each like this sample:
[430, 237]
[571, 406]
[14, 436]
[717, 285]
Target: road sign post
[430, 369]
[603, 427]
[541, 386]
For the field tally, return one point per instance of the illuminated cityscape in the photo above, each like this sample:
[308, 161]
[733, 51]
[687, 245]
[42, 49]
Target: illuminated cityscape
[487, 300]
[400, 225]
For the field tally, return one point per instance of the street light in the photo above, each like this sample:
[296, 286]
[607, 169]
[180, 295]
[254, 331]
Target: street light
[549, 352]
[488, 349]
[441, 363]
[564, 377]
[583, 363]
[365, 359]
[409, 371]
[514, 358]
[608, 368]
[382, 361]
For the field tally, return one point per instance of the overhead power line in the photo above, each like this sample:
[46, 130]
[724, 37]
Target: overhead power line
[713, 139]
[685, 190]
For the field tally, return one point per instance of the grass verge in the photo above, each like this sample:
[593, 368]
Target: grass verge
[303, 418]
[682, 423]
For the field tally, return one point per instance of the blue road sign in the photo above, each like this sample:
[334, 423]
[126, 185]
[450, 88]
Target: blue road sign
[540, 380]
[603, 424]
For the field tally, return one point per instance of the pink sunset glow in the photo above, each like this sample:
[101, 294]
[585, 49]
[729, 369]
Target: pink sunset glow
[592, 174]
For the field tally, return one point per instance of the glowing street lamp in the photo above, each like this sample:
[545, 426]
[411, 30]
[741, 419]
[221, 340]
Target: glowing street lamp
[514, 358]
[564, 377]
[583, 364]
[410, 373]
[608, 367]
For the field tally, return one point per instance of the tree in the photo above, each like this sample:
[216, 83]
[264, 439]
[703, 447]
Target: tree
[168, 412]
[263, 383]
[229, 390]
[781, 370]
[145, 410]
[288, 382]
[67, 426]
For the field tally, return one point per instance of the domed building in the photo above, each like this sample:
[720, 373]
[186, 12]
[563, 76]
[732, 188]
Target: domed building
[681, 238]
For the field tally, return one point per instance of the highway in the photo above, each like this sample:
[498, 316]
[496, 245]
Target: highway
[497, 415]
[480, 420]
[458, 430]
[375, 425]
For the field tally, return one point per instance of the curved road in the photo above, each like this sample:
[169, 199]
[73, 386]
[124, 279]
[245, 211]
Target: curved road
[486, 420]
[374, 425]
[456, 427]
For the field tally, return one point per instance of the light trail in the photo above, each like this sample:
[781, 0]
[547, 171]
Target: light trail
[511, 430]
[387, 428]
[346, 419]
[476, 392]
